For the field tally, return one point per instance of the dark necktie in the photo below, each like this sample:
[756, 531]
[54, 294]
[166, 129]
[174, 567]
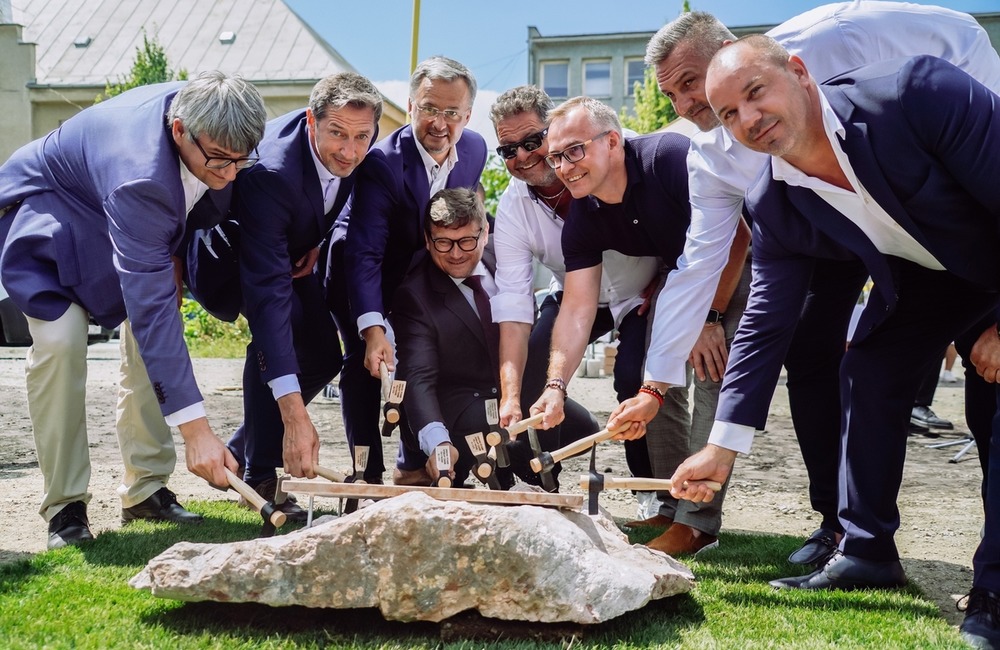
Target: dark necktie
[490, 329]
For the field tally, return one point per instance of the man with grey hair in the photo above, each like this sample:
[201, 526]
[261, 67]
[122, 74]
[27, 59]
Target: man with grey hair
[285, 206]
[831, 39]
[631, 197]
[94, 212]
[530, 219]
[384, 235]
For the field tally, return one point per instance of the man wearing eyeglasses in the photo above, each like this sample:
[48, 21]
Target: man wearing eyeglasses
[530, 219]
[447, 341]
[384, 234]
[632, 197]
[94, 212]
[285, 206]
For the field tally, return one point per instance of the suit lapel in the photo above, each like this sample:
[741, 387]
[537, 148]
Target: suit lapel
[310, 179]
[455, 302]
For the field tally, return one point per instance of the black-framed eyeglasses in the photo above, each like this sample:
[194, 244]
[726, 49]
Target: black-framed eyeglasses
[218, 162]
[465, 244]
[529, 144]
[573, 153]
[449, 115]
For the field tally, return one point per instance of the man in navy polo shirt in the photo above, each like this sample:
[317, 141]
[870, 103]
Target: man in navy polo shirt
[630, 196]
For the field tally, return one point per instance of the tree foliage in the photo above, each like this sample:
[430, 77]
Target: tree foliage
[149, 67]
[495, 179]
[653, 110]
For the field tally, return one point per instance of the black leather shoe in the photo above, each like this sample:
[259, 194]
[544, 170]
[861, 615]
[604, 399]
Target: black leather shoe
[925, 417]
[981, 627]
[160, 506]
[290, 507]
[817, 550]
[848, 573]
[70, 526]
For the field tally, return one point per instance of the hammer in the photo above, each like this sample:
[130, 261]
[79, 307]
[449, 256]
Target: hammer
[547, 460]
[496, 436]
[486, 460]
[273, 518]
[594, 483]
[443, 455]
[392, 393]
[360, 465]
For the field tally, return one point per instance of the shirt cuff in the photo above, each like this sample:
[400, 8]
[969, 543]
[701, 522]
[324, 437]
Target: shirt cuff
[431, 436]
[186, 414]
[735, 437]
[669, 370]
[510, 307]
[284, 385]
[368, 320]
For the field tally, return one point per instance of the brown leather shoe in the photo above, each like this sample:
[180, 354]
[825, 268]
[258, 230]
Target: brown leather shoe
[411, 477]
[681, 539]
[659, 521]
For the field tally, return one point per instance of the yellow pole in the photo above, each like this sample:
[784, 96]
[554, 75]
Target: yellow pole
[415, 36]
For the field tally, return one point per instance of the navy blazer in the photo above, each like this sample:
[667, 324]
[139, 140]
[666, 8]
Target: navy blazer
[922, 137]
[103, 211]
[385, 218]
[279, 207]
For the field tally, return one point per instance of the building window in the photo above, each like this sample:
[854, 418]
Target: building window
[597, 78]
[555, 79]
[635, 71]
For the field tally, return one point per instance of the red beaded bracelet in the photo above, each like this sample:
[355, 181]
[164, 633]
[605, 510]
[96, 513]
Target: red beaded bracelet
[652, 390]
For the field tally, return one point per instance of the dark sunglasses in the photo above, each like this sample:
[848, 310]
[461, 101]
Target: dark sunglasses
[532, 142]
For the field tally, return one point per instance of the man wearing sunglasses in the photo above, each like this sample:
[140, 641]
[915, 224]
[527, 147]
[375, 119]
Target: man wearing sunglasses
[384, 234]
[94, 212]
[632, 197]
[284, 207]
[530, 220]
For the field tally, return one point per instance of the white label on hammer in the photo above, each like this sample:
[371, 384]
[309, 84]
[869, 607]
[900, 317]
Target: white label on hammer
[443, 455]
[477, 443]
[360, 458]
[492, 412]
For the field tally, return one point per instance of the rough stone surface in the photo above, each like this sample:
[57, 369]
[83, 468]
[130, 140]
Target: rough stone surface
[416, 558]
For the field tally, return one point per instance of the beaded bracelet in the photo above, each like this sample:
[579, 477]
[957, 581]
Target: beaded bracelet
[654, 391]
[558, 384]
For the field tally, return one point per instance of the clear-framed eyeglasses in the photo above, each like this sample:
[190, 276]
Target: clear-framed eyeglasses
[573, 153]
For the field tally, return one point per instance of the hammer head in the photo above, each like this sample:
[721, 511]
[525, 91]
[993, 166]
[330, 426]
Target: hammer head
[542, 463]
[497, 437]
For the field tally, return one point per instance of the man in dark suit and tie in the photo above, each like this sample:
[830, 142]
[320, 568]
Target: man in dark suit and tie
[384, 233]
[447, 342]
[893, 164]
[286, 205]
[93, 213]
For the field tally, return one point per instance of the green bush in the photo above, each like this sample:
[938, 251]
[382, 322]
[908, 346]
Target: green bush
[207, 336]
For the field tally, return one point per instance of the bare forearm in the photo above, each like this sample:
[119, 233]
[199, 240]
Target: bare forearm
[569, 340]
[513, 357]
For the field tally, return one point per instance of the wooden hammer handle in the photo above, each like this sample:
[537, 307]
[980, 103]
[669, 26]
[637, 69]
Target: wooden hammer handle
[583, 444]
[524, 425]
[383, 372]
[254, 499]
[329, 474]
[627, 483]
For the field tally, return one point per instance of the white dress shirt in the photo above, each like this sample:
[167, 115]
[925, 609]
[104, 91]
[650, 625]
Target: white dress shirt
[526, 230]
[831, 39]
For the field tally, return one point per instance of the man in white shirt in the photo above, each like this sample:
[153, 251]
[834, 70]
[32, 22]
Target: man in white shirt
[864, 166]
[831, 39]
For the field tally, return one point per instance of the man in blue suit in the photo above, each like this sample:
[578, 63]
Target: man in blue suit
[892, 164]
[94, 211]
[384, 234]
[285, 206]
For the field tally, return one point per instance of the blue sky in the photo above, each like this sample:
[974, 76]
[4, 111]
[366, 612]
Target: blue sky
[491, 37]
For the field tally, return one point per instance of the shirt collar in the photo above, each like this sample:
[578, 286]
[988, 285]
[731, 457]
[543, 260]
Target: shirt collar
[479, 270]
[325, 176]
[193, 188]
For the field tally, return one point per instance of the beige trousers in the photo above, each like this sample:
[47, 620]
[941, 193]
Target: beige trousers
[56, 378]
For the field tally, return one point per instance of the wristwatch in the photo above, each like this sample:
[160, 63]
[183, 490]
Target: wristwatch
[714, 317]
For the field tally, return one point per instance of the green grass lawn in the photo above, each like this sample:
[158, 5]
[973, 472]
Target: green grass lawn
[79, 598]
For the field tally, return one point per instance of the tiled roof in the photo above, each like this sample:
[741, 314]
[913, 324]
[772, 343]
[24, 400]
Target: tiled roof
[270, 42]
